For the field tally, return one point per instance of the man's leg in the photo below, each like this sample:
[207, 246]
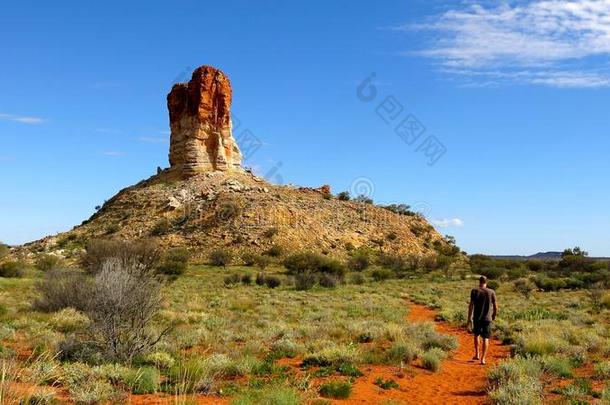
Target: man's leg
[485, 346]
[476, 347]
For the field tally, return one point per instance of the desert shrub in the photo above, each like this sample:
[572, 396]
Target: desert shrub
[144, 380]
[537, 344]
[391, 261]
[161, 227]
[275, 251]
[122, 307]
[357, 279]
[492, 273]
[516, 382]
[431, 360]
[559, 366]
[228, 210]
[160, 360]
[272, 395]
[343, 196]
[332, 266]
[602, 370]
[604, 301]
[260, 279]
[47, 262]
[249, 259]
[493, 284]
[4, 250]
[358, 261]
[336, 389]
[246, 279]
[304, 281]
[386, 384]
[382, 274]
[270, 232]
[232, 279]
[272, 281]
[69, 320]
[262, 261]
[328, 281]
[402, 352]
[12, 269]
[524, 287]
[332, 356]
[363, 199]
[143, 254]
[192, 375]
[112, 228]
[535, 265]
[434, 340]
[220, 257]
[92, 391]
[174, 262]
[303, 262]
[61, 289]
[516, 273]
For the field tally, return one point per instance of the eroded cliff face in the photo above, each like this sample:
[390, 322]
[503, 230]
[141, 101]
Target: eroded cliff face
[200, 120]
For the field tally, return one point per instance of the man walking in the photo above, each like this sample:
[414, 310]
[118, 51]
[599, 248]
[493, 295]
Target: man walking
[482, 310]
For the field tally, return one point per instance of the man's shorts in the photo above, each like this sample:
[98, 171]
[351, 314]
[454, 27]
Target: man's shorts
[482, 328]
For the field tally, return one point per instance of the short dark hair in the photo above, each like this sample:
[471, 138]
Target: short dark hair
[482, 280]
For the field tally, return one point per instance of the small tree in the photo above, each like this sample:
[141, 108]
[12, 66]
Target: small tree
[524, 287]
[343, 196]
[46, 262]
[221, 257]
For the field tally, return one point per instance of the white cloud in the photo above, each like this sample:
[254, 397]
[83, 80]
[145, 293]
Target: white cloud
[113, 153]
[446, 223]
[21, 119]
[153, 139]
[560, 43]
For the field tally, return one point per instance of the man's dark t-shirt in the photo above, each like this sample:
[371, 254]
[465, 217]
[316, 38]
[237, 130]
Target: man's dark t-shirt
[483, 299]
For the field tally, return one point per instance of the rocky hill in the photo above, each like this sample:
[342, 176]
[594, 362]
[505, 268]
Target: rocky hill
[206, 200]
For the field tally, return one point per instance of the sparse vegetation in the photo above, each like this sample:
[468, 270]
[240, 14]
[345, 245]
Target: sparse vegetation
[221, 257]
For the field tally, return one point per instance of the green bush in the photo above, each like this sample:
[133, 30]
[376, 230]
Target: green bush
[304, 281]
[221, 257]
[145, 380]
[4, 250]
[232, 279]
[343, 196]
[12, 269]
[492, 273]
[270, 232]
[303, 262]
[336, 390]
[249, 259]
[431, 360]
[602, 370]
[46, 262]
[382, 274]
[358, 262]
[493, 284]
[328, 281]
[402, 352]
[161, 227]
[272, 281]
[260, 279]
[357, 279]
[275, 251]
[246, 279]
[386, 384]
[174, 263]
[144, 253]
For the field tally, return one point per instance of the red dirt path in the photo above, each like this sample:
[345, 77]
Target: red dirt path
[460, 380]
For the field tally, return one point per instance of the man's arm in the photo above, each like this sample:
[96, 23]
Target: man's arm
[470, 310]
[495, 305]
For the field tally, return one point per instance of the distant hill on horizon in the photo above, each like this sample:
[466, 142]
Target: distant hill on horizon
[539, 256]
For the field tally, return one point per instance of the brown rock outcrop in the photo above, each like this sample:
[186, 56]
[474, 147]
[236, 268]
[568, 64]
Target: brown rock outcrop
[200, 120]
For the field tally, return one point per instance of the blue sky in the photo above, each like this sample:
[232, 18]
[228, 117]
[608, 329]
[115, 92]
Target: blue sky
[514, 93]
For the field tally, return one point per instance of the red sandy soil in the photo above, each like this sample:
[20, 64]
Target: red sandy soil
[460, 380]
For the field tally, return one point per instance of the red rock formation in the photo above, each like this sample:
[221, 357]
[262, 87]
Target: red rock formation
[200, 121]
